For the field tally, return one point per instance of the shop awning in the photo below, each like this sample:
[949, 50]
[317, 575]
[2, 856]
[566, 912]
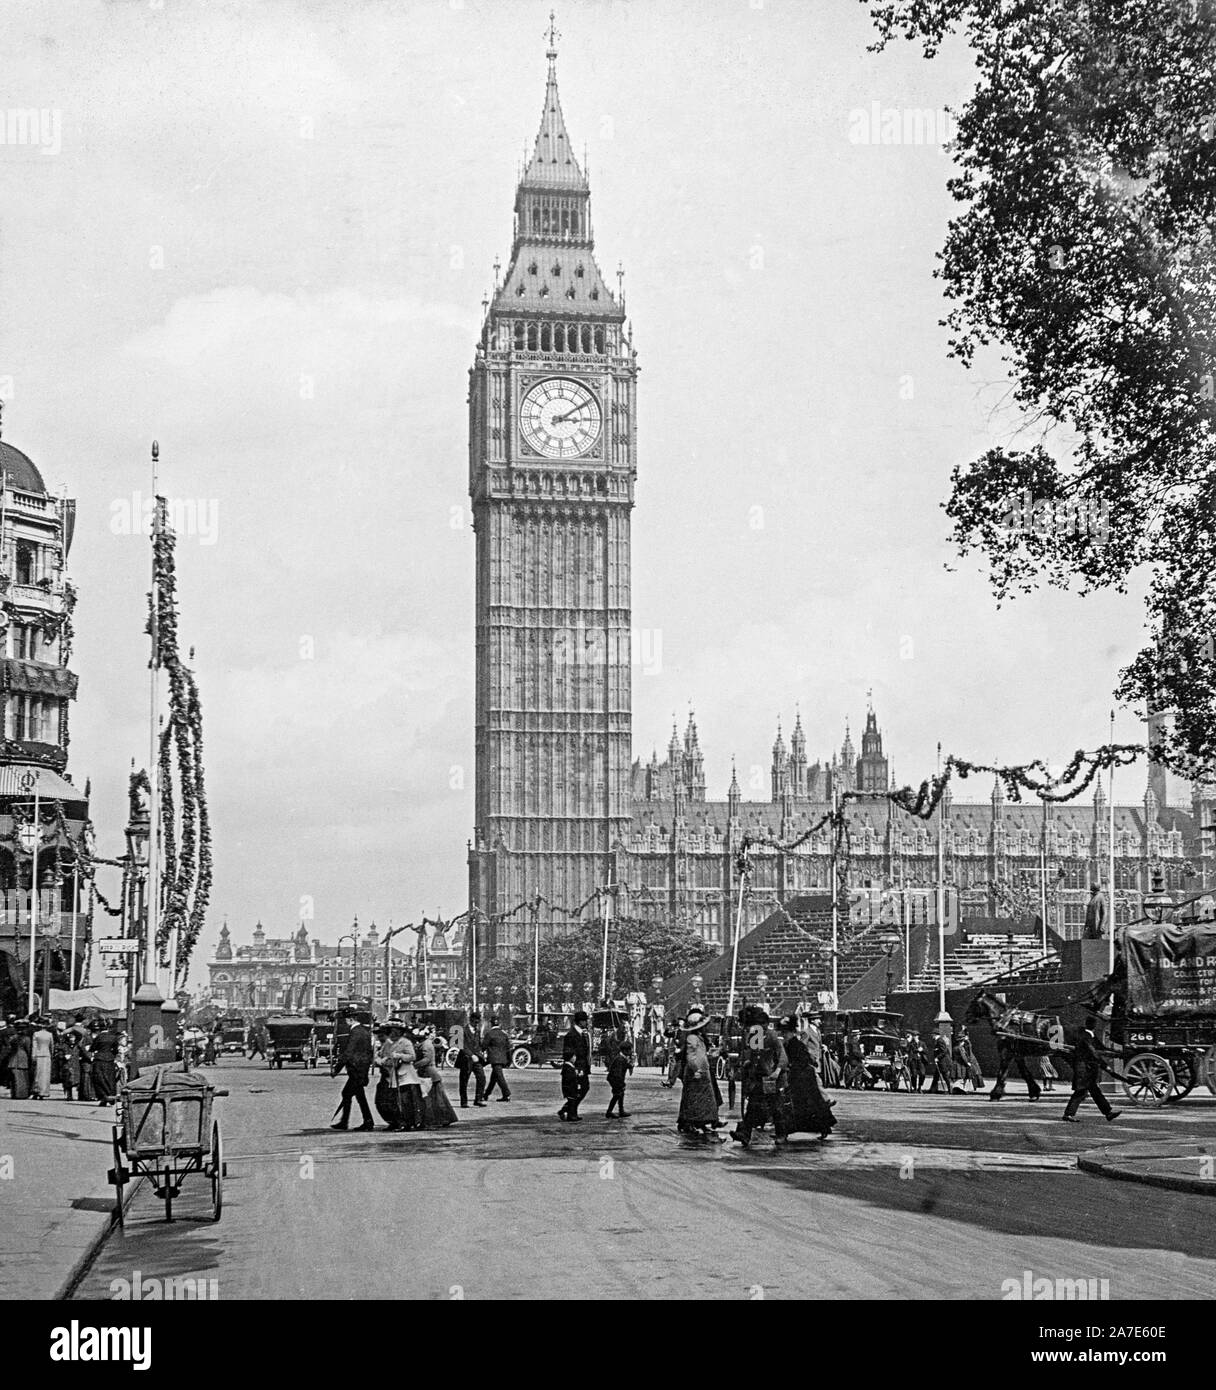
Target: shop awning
[108, 998]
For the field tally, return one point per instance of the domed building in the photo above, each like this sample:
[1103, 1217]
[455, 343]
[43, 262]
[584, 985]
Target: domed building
[36, 688]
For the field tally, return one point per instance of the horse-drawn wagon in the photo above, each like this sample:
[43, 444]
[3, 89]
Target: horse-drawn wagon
[1163, 1009]
[1160, 1010]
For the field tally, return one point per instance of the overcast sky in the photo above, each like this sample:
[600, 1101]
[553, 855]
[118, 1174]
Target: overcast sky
[262, 235]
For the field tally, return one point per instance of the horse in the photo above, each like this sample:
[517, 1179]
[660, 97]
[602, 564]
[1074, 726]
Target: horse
[1019, 1033]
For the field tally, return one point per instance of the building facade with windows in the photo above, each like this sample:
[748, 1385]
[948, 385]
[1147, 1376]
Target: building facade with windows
[37, 687]
[293, 973]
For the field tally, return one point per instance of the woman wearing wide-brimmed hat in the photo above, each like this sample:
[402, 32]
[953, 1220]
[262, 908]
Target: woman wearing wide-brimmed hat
[810, 1112]
[765, 1069]
[436, 1108]
[698, 1105]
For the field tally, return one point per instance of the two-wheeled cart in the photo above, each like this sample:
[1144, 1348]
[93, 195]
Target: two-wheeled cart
[166, 1132]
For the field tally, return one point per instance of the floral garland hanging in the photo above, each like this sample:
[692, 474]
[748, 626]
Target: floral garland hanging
[187, 857]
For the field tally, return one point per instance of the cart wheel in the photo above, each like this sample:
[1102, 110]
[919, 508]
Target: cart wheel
[1148, 1079]
[1207, 1069]
[521, 1057]
[217, 1171]
[453, 1056]
[720, 1069]
[1186, 1074]
[118, 1176]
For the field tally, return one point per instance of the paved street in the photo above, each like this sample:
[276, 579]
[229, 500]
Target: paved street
[914, 1197]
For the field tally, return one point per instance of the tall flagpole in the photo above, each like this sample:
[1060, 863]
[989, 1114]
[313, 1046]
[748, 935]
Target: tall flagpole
[734, 959]
[154, 751]
[1043, 876]
[1110, 923]
[34, 903]
[941, 896]
[835, 907]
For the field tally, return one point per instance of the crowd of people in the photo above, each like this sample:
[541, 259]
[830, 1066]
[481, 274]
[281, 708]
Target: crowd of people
[38, 1054]
[409, 1094]
[777, 1068]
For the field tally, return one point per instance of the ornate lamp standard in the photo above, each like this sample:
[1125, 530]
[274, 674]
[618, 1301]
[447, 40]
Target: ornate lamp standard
[568, 1001]
[1156, 901]
[353, 938]
[762, 986]
[804, 983]
[589, 993]
[828, 954]
[889, 940]
[696, 982]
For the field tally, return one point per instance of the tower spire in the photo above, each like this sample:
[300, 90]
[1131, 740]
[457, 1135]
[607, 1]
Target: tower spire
[552, 35]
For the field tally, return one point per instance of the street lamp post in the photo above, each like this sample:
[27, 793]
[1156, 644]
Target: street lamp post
[804, 983]
[30, 837]
[353, 938]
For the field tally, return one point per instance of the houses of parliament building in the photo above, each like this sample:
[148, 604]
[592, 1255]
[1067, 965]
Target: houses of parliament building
[562, 809]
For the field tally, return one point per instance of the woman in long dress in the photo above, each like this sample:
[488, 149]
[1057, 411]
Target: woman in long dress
[76, 1063]
[811, 1111]
[19, 1064]
[409, 1084]
[42, 1053]
[105, 1064]
[967, 1067]
[436, 1108]
[698, 1109]
[387, 1099]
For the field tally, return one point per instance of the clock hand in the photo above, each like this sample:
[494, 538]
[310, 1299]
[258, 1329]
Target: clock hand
[569, 415]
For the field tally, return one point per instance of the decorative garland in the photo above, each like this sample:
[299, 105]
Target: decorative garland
[188, 866]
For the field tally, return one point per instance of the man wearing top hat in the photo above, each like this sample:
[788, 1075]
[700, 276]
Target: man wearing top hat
[576, 1067]
[472, 1059]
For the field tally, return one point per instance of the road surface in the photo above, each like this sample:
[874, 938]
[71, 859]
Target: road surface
[913, 1197]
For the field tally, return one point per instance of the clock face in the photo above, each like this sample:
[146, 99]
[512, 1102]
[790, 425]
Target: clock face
[560, 418]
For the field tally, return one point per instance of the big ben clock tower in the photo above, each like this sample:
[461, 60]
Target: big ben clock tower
[552, 463]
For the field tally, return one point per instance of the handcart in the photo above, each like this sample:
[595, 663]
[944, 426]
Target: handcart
[166, 1133]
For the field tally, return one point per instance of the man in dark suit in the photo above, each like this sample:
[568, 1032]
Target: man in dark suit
[576, 1067]
[498, 1054]
[472, 1057]
[357, 1060]
[1087, 1069]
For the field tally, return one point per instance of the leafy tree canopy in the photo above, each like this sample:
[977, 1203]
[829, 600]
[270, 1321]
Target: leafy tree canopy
[1083, 245]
